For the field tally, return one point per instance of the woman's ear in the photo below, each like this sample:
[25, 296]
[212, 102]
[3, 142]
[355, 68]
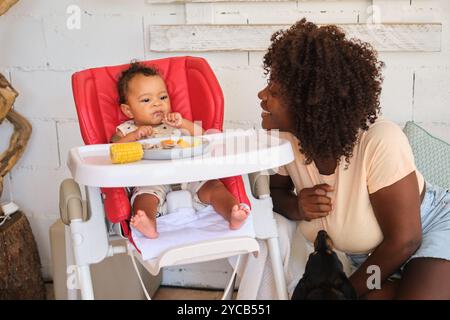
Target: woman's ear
[126, 110]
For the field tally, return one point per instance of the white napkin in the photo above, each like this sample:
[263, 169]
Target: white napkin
[186, 226]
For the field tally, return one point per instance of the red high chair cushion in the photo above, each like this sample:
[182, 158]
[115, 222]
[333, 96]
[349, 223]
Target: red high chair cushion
[194, 92]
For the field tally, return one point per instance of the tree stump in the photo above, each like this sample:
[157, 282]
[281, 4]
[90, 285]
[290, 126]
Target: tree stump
[20, 266]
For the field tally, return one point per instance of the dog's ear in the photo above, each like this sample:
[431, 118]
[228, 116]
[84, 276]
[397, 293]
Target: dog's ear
[347, 288]
[325, 294]
[300, 291]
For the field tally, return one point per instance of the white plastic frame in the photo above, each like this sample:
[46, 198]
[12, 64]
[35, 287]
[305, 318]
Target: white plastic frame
[89, 239]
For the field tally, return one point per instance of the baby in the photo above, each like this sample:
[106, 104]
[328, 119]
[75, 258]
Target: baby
[144, 99]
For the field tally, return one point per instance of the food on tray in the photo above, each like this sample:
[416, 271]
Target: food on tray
[196, 142]
[126, 152]
[169, 144]
[134, 151]
[183, 144]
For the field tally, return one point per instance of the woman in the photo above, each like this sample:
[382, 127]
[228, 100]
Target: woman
[354, 173]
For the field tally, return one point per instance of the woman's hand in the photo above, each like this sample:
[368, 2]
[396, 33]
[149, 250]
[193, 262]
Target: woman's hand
[173, 119]
[314, 203]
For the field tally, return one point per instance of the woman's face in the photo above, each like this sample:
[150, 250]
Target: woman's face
[275, 114]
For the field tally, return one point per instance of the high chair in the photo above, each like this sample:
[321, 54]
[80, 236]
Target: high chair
[196, 94]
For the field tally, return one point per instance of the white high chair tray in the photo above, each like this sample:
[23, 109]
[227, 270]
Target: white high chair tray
[231, 154]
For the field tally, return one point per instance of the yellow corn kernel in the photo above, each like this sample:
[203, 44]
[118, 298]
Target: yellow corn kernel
[196, 142]
[126, 152]
[183, 144]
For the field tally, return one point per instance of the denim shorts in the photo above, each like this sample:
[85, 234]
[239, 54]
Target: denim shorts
[435, 217]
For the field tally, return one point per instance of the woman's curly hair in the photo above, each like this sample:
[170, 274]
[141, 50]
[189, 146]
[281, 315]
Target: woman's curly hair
[332, 85]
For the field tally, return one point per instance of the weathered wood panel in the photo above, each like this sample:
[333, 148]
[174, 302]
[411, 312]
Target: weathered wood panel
[203, 1]
[404, 11]
[288, 12]
[384, 37]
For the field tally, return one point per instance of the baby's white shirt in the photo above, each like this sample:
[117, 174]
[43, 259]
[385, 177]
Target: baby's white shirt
[161, 130]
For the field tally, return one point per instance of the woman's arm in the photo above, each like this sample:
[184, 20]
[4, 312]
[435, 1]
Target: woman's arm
[283, 196]
[397, 209]
[309, 204]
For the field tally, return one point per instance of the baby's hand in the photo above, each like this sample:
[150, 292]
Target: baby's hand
[142, 132]
[173, 119]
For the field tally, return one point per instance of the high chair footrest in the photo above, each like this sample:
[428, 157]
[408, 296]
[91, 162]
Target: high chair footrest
[200, 252]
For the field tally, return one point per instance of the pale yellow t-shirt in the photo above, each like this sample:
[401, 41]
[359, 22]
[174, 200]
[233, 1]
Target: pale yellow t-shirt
[381, 157]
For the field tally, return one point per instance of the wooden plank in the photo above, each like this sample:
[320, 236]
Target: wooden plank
[192, 1]
[273, 12]
[384, 37]
[199, 13]
[167, 14]
[288, 12]
[399, 37]
[404, 11]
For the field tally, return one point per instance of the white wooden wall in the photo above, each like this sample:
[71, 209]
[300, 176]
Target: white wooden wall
[38, 52]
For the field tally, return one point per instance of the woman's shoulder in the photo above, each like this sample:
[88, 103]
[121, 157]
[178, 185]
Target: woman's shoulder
[384, 137]
[383, 129]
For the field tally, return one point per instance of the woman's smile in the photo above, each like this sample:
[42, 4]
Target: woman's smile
[265, 113]
[274, 114]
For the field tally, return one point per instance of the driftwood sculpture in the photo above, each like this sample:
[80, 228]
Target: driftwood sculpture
[20, 266]
[22, 129]
[6, 4]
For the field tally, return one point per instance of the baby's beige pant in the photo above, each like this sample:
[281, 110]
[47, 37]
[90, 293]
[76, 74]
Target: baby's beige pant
[160, 191]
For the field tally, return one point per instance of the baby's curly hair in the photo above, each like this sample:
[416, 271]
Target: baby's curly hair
[125, 77]
[332, 85]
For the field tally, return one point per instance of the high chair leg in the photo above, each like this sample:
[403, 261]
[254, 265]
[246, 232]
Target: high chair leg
[79, 276]
[277, 267]
[266, 226]
[72, 291]
[85, 282]
[88, 236]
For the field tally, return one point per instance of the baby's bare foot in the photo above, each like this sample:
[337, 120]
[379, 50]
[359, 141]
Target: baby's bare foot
[238, 215]
[144, 224]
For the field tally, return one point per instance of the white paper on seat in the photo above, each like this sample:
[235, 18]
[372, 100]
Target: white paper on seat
[186, 226]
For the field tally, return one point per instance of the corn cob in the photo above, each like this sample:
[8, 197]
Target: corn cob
[126, 152]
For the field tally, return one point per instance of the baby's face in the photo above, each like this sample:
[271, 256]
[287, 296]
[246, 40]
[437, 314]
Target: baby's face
[147, 100]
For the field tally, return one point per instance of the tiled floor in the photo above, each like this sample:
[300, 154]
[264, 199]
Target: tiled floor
[168, 293]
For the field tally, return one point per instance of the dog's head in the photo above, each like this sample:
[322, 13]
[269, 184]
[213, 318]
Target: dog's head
[324, 276]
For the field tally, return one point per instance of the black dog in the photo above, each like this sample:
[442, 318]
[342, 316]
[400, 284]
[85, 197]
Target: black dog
[324, 278]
